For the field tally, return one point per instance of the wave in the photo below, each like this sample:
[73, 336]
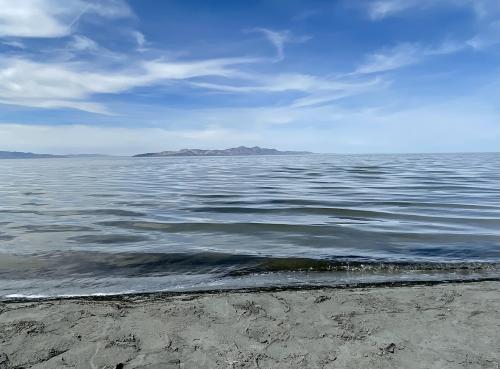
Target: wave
[99, 264]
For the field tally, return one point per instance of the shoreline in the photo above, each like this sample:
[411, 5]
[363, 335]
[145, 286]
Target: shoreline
[269, 289]
[419, 325]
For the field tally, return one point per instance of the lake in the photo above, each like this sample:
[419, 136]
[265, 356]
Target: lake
[81, 226]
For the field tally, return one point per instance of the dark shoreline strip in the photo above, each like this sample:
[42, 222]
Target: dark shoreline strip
[137, 297]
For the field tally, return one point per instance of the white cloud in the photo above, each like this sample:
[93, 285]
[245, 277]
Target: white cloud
[191, 69]
[279, 38]
[52, 18]
[483, 9]
[397, 57]
[75, 84]
[283, 82]
[15, 44]
[486, 12]
[403, 55]
[489, 36]
[318, 90]
[83, 43]
[323, 97]
[140, 39]
[49, 85]
[383, 8]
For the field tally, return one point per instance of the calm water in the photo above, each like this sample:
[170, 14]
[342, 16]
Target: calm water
[112, 225]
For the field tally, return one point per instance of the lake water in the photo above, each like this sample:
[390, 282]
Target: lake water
[116, 225]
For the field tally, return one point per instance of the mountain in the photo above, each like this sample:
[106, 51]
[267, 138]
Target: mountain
[235, 151]
[25, 155]
[30, 155]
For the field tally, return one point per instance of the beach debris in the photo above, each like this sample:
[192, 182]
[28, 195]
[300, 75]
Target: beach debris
[320, 299]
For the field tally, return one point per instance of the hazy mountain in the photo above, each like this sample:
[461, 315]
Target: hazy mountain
[25, 155]
[30, 155]
[235, 151]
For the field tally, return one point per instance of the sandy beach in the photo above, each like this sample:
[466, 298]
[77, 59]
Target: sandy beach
[422, 326]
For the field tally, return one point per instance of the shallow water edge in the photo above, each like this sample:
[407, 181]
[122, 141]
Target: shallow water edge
[131, 297]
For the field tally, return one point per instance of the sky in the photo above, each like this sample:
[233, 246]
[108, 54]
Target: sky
[368, 76]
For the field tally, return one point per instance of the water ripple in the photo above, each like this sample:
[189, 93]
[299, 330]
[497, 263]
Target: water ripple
[135, 221]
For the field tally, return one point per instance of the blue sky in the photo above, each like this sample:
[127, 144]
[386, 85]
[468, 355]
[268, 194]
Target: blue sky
[122, 77]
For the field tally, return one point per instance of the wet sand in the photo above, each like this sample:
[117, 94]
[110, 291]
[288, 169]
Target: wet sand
[455, 325]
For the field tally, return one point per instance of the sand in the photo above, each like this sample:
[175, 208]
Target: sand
[440, 326]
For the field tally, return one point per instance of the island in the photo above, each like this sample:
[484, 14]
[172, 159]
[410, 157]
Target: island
[235, 151]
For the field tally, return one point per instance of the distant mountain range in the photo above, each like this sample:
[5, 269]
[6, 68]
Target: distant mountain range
[235, 151]
[30, 155]
[25, 155]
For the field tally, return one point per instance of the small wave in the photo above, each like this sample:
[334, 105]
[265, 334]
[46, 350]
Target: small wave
[75, 212]
[229, 264]
[107, 239]
[52, 228]
[362, 266]
[334, 231]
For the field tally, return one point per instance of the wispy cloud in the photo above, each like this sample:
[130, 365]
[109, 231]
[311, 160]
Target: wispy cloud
[325, 97]
[140, 40]
[283, 82]
[315, 90]
[14, 44]
[403, 55]
[380, 9]
[486, 12]
[279, 38]
[397, 57]
[83, 43]
[71, 85]
[53, 18]
[489, 36]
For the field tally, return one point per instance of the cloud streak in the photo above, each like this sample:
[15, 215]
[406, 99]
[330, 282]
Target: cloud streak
[403, 55]
[380, 9]
[486, 12]
[82, 43]
[279, 38]
[53, 18]
[317, 90]
[384, 8]
[70, 85]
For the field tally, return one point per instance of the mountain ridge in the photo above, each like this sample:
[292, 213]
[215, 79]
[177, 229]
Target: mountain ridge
[30, 155]
[234, 151]
[26, 155]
